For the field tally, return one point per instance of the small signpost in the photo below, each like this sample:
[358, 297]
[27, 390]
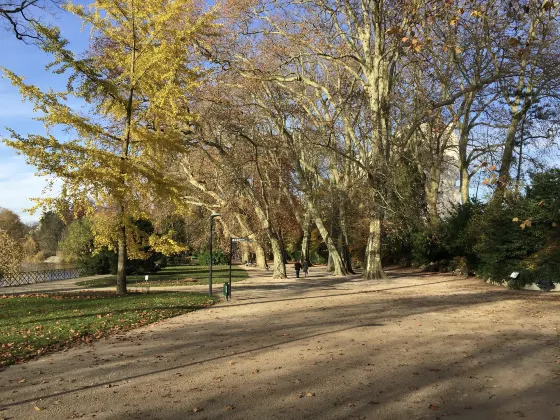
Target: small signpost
[227, 286]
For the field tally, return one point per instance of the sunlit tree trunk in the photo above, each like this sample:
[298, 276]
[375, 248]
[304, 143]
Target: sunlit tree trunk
[339, 268]
[519, 161]
[464, 183]
[306, 240]
[338, 265]
[244, 253]
[277, 251]
[373, 268]
[507, 157]
[432, 191]
[518, 106]
[330, 263]
[121, 245]
[282, 246]
[278, 255]
[464, 130]
[344, 245]
[260, 256]
[121, 261]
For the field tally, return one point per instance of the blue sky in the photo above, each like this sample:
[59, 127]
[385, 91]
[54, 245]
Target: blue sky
[18, 183]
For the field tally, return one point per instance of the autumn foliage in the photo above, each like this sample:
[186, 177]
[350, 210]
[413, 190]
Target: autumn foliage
[337, 125]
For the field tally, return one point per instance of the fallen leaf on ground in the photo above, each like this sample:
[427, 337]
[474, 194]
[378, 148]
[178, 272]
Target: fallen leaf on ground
[433, 407]
[196, 410]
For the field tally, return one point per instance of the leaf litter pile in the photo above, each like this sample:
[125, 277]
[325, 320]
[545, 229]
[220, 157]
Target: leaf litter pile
[35, 324]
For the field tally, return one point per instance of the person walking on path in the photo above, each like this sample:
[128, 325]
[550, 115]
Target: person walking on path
[305, 268]
[297, 266]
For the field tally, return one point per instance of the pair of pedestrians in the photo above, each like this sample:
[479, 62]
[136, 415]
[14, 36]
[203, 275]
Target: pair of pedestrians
[299, 266]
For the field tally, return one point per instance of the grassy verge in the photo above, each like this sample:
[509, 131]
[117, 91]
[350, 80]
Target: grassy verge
[182, 275]
[31, 325]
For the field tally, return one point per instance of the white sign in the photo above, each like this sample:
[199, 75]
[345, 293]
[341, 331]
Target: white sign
[241, 240]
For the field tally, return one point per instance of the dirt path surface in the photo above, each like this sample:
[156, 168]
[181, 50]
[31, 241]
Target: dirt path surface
[415, 346]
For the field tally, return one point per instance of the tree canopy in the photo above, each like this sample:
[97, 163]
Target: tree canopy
[354, 127]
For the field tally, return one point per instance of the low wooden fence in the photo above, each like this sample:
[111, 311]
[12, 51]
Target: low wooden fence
[31, 277]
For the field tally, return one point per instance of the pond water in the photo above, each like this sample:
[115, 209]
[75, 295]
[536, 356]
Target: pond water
[42, 266]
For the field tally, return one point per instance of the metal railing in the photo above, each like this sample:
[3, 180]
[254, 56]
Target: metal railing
[31, 277]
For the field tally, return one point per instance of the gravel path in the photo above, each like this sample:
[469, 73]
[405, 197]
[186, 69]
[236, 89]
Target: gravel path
[415, 346]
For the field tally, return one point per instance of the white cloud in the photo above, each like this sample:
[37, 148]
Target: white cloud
[19, 184]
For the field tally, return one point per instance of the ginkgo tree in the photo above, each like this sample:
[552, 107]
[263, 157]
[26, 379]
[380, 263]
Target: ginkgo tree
[134, 81]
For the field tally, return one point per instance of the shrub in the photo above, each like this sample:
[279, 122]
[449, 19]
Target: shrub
[218, 258]
[544, 264]
[521, 235]
[102, 262]
[177, 259]
[458, 240]
[428, 245]
[78, 240]
[501, 244]
[396, 248]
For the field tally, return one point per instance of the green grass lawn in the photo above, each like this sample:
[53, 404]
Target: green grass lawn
[182, 275]
[35, 324]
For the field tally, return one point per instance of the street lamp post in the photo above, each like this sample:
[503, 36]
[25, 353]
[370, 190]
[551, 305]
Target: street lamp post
[211, 229]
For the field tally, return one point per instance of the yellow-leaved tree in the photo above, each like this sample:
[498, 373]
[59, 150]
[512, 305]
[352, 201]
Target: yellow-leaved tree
[10, 255]
[135, 81]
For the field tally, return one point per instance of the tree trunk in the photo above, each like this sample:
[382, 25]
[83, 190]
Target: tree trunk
[507, 157]
[245, 255]
[520, 162]
[257, 247]
[306, 241]
[278, 254]
[121, 262]
[339, 268]
[464, 183]
[121, 245]
[432, 190]
[330, 263]
[346, 256]
[464, 177]
[281, 243]
[260, 256]
[379, 103]
[373, 268]
[464, 127]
